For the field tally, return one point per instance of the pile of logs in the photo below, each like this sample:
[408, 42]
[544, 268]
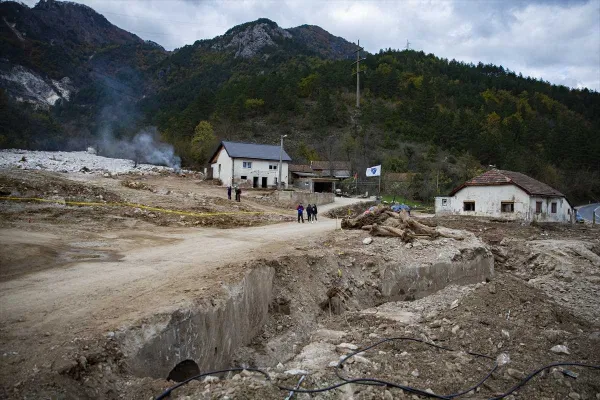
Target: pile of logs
[382, 221]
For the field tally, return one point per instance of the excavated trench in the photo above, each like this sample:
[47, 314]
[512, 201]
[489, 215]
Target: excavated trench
[286, 297]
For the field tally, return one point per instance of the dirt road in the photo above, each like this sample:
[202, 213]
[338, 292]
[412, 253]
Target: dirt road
[147, 270]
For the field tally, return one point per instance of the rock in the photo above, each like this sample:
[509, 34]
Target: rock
[348, 346]
[295, 371]
[367, 240]
[492, 288]
[436, 324]
[506, 334]
[502, 359]
[455, 329]
[574, 396]
[560, 349]
[333, 364]
[211, 379]
[110, 335]
[279, 367]
[415, 373]
[429, 390]
[47, 334]
[328, 335]
[387, 395]
[362, 360]
[515, 373]
[454, 304]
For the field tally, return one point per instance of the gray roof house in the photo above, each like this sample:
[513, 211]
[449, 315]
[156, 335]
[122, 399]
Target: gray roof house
[249, 164]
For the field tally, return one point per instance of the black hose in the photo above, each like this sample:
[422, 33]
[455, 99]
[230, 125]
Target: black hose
[411, 389]
[534, 373]
[379, 382]
[167, 392]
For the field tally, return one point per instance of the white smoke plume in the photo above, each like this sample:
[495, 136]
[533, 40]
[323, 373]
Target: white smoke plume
[144, 147]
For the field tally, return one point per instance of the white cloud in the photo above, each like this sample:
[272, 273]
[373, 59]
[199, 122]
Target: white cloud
[558, 41]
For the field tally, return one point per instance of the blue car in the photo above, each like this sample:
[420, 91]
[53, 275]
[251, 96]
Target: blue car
[578, 218]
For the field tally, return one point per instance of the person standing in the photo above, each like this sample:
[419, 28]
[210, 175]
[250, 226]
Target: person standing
[300, 209]
[239, 194]
[229, 192]
[314, 212]
[309, 212]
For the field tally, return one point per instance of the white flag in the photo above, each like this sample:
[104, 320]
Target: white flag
[374, 171]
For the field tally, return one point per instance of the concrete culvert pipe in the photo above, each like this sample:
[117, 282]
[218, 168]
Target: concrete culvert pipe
[184, 370]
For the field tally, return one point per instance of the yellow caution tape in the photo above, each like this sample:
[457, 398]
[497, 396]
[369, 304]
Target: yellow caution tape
[141, 206]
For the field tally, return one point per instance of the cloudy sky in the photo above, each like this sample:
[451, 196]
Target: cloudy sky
[555, 40]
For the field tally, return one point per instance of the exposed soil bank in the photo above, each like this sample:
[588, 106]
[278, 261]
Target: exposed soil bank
[205, 334]
[302, 288]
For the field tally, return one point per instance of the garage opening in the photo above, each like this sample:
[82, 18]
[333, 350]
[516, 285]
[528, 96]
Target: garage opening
[264, 182]
[323, 187]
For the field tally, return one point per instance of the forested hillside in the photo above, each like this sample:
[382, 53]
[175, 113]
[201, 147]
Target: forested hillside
[443, 120]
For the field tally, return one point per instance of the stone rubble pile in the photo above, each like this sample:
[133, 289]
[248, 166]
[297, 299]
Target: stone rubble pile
[76, 161]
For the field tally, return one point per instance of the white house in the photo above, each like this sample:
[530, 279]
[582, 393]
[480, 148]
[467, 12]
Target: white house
[507, 195]
[249, 165]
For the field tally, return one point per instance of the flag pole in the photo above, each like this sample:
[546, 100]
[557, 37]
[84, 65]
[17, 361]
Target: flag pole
[380, 183]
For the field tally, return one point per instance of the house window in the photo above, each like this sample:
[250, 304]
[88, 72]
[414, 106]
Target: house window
[244, 177]
[469, 206]
[444, 202]
[553, 208]
[247, 164]
[538, 207]
[507, 207]
[272, 166]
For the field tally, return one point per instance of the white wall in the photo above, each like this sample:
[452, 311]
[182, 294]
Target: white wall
[488, 200]
[563, 209]
[260, 169]
[224, 161]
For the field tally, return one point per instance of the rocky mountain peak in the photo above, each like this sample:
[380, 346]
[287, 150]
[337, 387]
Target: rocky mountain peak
[64, 20]
[248, 39]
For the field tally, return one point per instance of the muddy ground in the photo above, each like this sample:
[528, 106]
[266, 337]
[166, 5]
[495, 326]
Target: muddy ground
[84, 276]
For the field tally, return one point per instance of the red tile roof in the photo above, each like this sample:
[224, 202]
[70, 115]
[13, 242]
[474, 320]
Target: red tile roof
[496, 177]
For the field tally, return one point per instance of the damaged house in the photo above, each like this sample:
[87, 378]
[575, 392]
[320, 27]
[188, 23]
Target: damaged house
[319, 176]
[506, 195]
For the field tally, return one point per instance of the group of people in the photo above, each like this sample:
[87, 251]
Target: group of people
[311, 213]
[238, 193]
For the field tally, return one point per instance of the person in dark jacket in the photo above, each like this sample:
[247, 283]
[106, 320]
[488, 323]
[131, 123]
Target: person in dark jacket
[309, 212]
[300, 209]
[229, 192]
[314, 212]
[239, 194]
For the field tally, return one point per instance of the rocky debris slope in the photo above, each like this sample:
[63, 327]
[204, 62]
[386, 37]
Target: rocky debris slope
[568, 271]
[75, 161]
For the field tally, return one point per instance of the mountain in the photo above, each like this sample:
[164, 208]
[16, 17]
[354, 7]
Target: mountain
[69, 79]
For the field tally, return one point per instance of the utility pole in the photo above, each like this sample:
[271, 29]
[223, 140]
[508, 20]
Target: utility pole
[407, 45]
[280, 162]
[357, 62]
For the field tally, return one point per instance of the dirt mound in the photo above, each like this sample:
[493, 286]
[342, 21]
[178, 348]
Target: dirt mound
[46, 184]
[351, 211]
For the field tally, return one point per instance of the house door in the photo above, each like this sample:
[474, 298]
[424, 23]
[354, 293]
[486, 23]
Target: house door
[264, 182]
[255, 181]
